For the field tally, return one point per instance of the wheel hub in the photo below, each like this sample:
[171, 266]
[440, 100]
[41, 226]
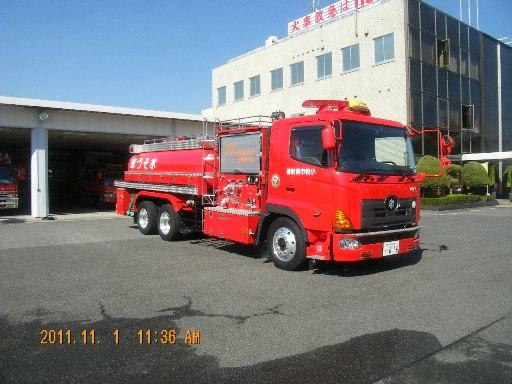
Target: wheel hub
[284, 244]
[143, 218]
[165, 223]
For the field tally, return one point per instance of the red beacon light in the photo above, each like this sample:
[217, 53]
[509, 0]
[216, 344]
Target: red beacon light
[355, 106]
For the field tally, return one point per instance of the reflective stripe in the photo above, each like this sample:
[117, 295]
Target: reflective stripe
[182, 189]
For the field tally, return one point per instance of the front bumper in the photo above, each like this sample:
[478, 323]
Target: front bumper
[8, 202]
[372, 244]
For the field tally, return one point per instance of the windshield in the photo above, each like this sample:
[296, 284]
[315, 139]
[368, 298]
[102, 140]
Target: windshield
[377, 149]
[6, 175]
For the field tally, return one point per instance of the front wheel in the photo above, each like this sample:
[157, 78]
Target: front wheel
[286, 244]
[169, 225]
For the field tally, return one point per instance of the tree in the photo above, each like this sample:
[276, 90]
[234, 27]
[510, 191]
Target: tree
[474, 176]
[431, 165]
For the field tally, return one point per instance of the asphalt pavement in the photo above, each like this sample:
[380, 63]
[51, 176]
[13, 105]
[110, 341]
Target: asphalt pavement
[442, 314]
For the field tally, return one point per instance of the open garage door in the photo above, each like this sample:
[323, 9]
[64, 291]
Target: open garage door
[82, 168]
[15, 143]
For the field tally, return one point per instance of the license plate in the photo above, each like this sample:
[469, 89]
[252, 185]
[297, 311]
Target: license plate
[390, 248]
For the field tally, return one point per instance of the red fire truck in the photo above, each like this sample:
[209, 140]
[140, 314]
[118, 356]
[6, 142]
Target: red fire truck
[10, 175]
[338, 185]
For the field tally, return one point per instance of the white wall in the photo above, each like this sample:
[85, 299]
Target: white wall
[382, 86]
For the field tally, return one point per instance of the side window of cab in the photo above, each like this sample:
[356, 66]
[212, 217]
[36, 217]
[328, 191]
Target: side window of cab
[306, 146]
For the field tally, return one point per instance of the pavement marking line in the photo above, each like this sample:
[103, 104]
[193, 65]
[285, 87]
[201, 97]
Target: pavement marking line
[443, 348]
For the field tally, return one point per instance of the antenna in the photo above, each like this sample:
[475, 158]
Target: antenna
[313, 5]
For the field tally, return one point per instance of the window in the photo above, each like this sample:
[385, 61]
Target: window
[443, 53]
[324, 65]
[442, 113]
[414, 43]
[239, 90]
[454, 87]
[415, 74]
[454, 59]
[454, 115]
[429, 110]
[467, 116]
[464, 88]
[442, 83]
[464, 44]
[297, 73]
[350, 57]
[255, 85]
[221, 96]
[429, 79]
[384, 48]
[416, 107]
[306, 146]
[427, 18]
[474, 65]
[427, 47]
[440, 25]
[475, 93]
[452, 30]
[276, 79]
[464, 63]
[414, 13]
[474, 40]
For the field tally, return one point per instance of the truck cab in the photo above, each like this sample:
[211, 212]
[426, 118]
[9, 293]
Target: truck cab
[9, 177]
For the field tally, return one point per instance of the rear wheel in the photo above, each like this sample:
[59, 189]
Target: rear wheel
[169, 225]
[146, 218]
[286, 244]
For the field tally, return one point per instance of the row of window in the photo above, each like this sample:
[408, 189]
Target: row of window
[432, 111]
[443, 26]
[465, 142]
[439, 82]
[384, 50]
[440, 52]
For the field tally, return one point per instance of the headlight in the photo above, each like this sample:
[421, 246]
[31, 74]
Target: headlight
[348, 243]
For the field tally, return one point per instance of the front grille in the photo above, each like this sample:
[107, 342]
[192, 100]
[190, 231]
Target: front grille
[375, 215]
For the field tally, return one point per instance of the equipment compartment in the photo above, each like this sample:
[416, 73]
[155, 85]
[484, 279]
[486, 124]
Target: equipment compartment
[237, 225]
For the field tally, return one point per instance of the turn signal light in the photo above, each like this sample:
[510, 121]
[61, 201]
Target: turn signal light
[341, 221]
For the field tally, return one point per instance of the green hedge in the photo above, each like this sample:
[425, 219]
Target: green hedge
[431, 165]
[474, 175]
[454, 199]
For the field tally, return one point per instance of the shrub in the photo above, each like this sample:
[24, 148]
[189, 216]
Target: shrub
[430, 164]
[454, 171]
[474, 176]
[507, 177]
[454, 199]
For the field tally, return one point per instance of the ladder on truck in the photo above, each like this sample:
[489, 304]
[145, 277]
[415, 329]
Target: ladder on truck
[208, 192]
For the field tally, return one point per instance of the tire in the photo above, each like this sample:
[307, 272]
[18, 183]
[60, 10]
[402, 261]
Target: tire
[147, 217]
[286, 244]
[169, 225]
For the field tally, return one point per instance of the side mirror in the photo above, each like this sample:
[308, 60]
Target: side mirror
[328, 138]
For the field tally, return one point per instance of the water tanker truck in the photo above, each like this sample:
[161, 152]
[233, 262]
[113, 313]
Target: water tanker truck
[337, 185]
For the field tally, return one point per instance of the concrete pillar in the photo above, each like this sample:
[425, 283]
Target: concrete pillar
[39, 170]
[500, 116]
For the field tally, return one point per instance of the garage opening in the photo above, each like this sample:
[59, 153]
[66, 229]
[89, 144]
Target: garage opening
[82, 168]
[14, 172]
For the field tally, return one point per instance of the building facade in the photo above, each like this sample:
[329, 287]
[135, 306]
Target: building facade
[407, 60]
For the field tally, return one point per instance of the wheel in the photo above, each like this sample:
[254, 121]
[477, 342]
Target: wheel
[146, 218]
[286, 244]
[169, 224]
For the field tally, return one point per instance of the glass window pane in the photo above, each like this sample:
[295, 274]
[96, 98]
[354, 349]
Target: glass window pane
[442, 83]
[474, 65]
[415, 75]
[414, 13]
[454, 87]
[255, 86]
[475, 93]
[456, 137]
[414, 43]
[442, 113]
[427, 18]
[354, 55]
[466, 140]
[328, 64]
[464, 86]
[464, 36]
[427, 47]
[416, 116]
[221, 96]
[277, 79]
[429, 110]
[430, 145]
[239, 90]
[454, 59]
[379, 49]
[440, 25]
[297, 73]
[476, 143]
[464, 62]
[474, 40]
[452, 28]
[454, 115]
[477, 119]
[389, 46]
[429, 79]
